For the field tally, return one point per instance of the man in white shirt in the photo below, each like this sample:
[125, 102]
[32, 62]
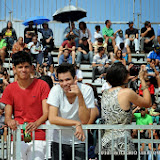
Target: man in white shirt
[70, 104]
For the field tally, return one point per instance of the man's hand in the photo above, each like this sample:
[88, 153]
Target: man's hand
[147, 40]
[31, 127]
[152, 65]
[149, 29]
[79, 132]
[75, 89]
[47, 40]
[84, 52]
[12, 124]
[131, 39]
[101, 65]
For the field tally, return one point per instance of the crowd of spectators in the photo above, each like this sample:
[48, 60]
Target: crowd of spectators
[76, 47]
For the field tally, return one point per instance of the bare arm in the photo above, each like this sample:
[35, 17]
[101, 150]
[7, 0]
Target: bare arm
[94, 114]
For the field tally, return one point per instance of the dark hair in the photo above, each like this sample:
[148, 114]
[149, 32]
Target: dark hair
[66, 67]
[121, 45]
[106, 22]
[121, 57]
[152, 60]
[84, 24]
[70, 37]
[117, 74]
[100, 40]
[44, 24]
[100, 49]
[47, 79]
[21, 57]
[97, 27]
[7, 24]
[84, 39]
[146, 23]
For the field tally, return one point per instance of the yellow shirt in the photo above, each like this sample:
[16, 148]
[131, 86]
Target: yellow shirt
[8, 34]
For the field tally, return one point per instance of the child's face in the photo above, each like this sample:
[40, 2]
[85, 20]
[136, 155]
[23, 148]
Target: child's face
[154, 106]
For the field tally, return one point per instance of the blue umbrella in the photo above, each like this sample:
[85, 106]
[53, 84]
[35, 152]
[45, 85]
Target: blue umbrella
[36, 20]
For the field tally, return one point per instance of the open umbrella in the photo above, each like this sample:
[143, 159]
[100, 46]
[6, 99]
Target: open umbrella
[68, 14]
[36, 20]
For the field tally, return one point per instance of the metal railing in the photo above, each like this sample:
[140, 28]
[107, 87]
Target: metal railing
[17, 139]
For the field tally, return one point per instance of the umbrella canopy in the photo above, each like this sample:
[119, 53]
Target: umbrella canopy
[36, 20]
[69, 13]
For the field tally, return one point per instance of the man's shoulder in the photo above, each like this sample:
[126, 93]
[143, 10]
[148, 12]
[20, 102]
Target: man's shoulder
[11, 87]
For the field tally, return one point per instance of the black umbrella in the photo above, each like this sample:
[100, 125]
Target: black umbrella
[69, 14]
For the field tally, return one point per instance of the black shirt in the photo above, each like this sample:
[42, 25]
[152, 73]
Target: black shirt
[129, 32]
[149, 34]
[86, 48]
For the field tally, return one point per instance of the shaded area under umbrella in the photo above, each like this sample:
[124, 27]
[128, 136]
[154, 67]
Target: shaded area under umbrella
[69, 14]
[36, 20]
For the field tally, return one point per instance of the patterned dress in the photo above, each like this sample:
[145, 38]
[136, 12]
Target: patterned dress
[113, 114]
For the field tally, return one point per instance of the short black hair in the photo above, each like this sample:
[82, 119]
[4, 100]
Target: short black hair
[84, 39]
[100, 49]
[70, 37]
[106, 22]
[100, 40]
[66, 67]
[21, 57]
[121, 45]
[97, 27]
[117, 74]
[146, 23]
[84, 24]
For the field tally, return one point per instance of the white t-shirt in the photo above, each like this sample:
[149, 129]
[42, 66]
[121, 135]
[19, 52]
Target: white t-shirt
[79, 74]
[57, 98]
[106, 86]
[33, 47]
[97, 35]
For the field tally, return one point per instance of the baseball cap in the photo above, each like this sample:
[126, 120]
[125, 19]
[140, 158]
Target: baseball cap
[130, 22]
[157, 48]
[120, 33]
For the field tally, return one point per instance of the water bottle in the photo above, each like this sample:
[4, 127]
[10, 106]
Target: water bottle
[26, 136]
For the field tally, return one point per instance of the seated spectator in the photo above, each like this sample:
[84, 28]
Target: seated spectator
[142, 118]
[70, 45]
[78, 73]
[36, 50]
[9, 34]
[133, 70]
[155, 115]
[99, 43]
[155, 54]
[132, 36]
[100, 63]
[19, 46]
[85, 51]
[97, 33]
[71, 30]
[148, 36]
[34, 73]
[29, 32]
[54, 76]
[150, 88]
[126, 52]
[3, 47]
[153, 73]
[119, 37]
[47, 34]
[65, 57]
[118, 57]
[84, 32]
[158, 35]
[108, 33]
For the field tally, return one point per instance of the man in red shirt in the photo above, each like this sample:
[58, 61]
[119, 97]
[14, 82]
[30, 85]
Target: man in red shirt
[70, 45]
[26, 100]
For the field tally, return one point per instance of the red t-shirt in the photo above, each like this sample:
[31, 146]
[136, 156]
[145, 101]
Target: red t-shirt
[151, 89]
[27, 103]
[68, 44]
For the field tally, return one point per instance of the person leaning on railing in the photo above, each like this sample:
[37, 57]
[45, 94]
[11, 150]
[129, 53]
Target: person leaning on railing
[116, 109]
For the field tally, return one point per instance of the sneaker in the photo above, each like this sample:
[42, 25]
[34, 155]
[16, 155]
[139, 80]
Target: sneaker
[137, 52]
